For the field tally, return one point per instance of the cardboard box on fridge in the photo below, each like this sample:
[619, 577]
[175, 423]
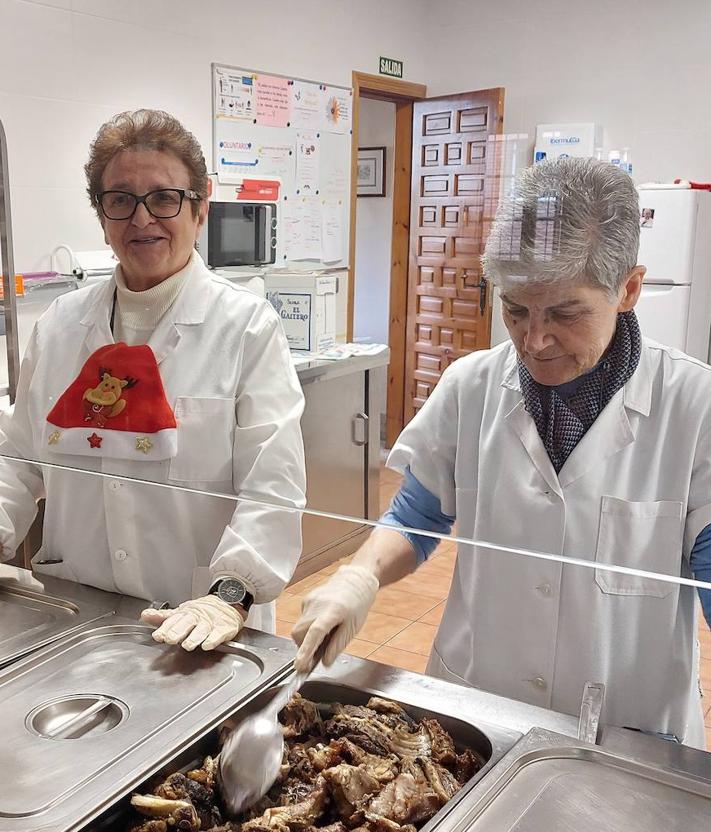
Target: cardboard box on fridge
[307, 307]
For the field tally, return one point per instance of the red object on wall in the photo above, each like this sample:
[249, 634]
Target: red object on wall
[258, 190]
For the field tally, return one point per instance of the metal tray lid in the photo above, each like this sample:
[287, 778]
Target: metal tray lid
[90, 717]
[551, 783]
[30, 619]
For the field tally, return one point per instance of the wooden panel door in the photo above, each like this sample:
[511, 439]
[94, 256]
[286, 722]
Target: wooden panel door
[452, 201]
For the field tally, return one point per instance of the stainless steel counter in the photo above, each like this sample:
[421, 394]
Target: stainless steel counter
[104, 707]
[551, 783]
[323, 369]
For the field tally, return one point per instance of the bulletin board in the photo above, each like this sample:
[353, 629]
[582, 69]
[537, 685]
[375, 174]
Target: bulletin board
[275, 129]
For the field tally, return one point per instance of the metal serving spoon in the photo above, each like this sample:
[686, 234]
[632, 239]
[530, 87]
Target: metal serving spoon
[252, 754]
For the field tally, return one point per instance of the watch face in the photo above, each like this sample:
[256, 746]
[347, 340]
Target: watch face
[232, 591]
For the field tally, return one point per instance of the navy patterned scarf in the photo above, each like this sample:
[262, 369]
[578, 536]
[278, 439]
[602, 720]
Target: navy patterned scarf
[562, 423]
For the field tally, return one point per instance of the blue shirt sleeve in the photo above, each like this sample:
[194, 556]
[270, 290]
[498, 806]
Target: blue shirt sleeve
[700, 562]
[417, 508]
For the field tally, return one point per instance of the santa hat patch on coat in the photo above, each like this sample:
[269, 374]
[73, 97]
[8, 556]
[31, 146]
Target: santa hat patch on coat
[116, 407]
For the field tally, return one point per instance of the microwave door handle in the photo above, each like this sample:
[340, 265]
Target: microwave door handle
[260, 235]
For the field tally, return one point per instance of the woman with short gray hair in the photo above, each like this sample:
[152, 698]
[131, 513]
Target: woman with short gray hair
[556, 442]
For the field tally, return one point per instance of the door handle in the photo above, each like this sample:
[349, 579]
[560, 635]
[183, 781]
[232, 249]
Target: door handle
[483, 288]
[359, 427]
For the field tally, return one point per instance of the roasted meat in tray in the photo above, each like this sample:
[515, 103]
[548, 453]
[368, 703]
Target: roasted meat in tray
[346, 768]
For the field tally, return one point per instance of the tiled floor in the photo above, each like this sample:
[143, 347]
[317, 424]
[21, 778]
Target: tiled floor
[401, 627]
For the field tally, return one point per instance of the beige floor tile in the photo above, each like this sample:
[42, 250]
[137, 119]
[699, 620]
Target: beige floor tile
[380, 628]
[708, 731]
[305, 585]
[431, 585]
[400, 658]
[437, 568]
[705, 674]
[283, 628]
[408, 605]
[417, 638]
[360, 648]
[387, 476]
[445, 555]
[446, 547]
[389, 490]
[434, 616]
[288, 607]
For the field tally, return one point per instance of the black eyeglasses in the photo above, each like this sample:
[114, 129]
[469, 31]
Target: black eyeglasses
[162, 204]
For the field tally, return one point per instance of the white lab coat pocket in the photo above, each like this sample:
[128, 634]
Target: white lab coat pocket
[51, 567]
[205, 436]
[646, 535]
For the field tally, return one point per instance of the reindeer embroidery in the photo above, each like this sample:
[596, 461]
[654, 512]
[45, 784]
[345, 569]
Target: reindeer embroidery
[104, 401]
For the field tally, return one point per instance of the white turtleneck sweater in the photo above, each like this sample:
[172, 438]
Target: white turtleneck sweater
[138, 313]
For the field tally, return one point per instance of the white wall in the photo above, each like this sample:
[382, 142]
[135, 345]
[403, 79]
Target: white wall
[68, 65]
[641, 68]
[374, 216]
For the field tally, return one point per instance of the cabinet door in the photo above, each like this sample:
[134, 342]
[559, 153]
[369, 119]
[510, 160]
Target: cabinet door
[335, 458]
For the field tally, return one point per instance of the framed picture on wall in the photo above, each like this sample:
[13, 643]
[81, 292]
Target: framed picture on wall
[371, 171]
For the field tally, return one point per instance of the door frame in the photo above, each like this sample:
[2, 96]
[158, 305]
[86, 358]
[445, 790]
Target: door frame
[403, 94]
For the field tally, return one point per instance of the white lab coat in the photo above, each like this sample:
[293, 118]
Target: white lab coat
[636, 492]
[228, 375]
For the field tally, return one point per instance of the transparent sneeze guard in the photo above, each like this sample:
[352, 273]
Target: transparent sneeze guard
[131, 704]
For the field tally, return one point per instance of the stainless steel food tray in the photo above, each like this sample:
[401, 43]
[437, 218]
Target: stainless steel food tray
[550, 783]
[450, 708]
[88, 718]
[31, 619]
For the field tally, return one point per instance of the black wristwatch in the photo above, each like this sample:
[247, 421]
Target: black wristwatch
[233, 592]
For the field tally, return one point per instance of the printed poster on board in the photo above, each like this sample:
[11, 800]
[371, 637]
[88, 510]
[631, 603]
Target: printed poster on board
[234, 95]
[306, 105]
[308, 158]
[237, 153]
[273, 103]
[336, 108]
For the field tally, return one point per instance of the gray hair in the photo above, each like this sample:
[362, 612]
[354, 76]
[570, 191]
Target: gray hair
[567, 219]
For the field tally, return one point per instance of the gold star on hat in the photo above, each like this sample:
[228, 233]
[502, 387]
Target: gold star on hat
[53, 438]
[143, 444]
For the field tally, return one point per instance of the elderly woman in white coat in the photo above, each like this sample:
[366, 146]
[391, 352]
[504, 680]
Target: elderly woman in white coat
[166, 373]
[577, 437]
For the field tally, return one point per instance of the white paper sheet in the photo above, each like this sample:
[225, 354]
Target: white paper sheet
[276, 160]
[306, 106]
[307, 162]
[331, 231]
[302, 228]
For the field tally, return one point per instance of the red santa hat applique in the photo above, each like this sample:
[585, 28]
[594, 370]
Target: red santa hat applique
[116, 407]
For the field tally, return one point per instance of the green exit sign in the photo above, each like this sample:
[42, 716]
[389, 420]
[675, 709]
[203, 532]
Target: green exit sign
[389, 66]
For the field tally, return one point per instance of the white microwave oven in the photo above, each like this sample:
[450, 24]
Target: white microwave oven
[239, 233]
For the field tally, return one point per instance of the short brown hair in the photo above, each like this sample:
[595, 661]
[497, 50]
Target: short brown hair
[145, 130]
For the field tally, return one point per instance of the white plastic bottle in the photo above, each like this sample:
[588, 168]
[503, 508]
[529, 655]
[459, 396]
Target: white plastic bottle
[615, 158]
[626, 163]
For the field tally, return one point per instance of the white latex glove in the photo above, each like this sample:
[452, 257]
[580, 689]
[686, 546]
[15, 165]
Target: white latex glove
[16, 576]
[337, 609]
[207, 621]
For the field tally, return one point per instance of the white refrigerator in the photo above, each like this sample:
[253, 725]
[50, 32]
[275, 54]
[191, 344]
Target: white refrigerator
[675, 246]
